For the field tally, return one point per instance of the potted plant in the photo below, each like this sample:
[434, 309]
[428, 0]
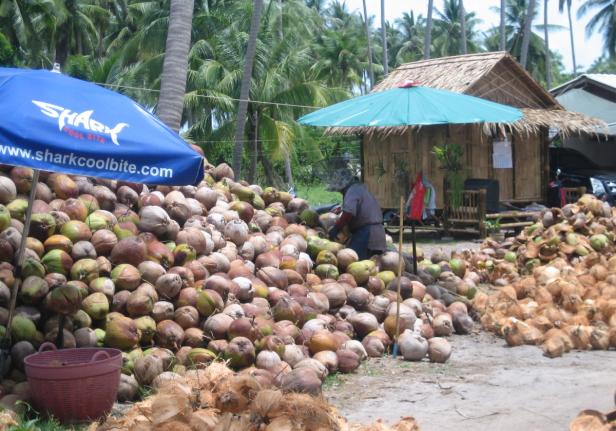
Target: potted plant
[494, 230]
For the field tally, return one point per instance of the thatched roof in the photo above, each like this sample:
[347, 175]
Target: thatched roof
[494, 76]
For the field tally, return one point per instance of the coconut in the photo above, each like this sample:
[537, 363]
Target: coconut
[131, 250]
[8, 191]
[128, 389]
[162, 310]
[147, 329]
[85, 337]
[126, 277]
[147, 369]
[169, 335]
[19, 352]
[348, 361]
[363, 323]
[302, 380]
[96, 305]
[413, 346]
[439, 349]
[240, 352]
[57, 261]
[32, 290]
[65, 299]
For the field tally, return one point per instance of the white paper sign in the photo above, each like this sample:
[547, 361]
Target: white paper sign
[501, 154]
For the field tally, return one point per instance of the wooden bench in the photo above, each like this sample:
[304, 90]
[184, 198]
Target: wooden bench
[573, 194]
[471, 215]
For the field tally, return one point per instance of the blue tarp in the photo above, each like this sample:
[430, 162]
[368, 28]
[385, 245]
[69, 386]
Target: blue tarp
[53, 122]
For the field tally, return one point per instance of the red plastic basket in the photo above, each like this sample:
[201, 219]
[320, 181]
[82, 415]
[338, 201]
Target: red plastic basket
[74, 385]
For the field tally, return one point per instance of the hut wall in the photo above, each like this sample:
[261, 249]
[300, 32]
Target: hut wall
[390, 162]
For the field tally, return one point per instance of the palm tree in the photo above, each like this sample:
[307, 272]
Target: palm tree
[245, 88]
[503, 38]
[173, 81]
[548, 63]
[561, 6]
[464, 47]
[530, 12]
[368, 45]
[604, 21]
[428, 35]
[384, 38]
[410, 29]
[448, 30]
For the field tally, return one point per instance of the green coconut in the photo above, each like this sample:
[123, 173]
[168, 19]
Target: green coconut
[127, 364]
[599, 241]
[81, 319]
[22, 329]
[5, 218]
[200, 356]
[362, 270]
[59, 242]
[57, 261]
[209, 302]
[17, 208]
[309, 217]
[65, 299]
[76, 230]
[125, 229]
[96, 305]
[327, 270]
[121, 333]
[100, 337]
[183, 253]
[147, 327]
[270, 195]
[434, 270]
[458, 267]
[97, 221]
[386, 276]
[85, 270]
[257, 202]
[326, 256]
[511, 257]
[32, 267]
[33, 290]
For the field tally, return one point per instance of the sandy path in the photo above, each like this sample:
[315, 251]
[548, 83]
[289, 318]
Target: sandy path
[484, 386]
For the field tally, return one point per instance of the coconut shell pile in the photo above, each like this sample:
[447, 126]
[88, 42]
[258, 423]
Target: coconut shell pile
[216, 398]
[593, 420]
[176, 277]
[557, 281]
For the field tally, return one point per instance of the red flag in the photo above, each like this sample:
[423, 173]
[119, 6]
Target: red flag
[418, 193]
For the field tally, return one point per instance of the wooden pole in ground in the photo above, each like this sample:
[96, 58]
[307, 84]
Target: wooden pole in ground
[400, 260]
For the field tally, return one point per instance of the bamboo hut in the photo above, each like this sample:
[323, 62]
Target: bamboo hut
[392, 156]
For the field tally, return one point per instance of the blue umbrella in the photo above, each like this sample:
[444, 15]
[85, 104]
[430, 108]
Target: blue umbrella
[411, 105]
[52, 122]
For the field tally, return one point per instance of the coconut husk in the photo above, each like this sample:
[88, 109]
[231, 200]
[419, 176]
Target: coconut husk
[217, 399]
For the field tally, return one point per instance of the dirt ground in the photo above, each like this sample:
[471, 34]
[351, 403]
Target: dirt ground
[484, 386]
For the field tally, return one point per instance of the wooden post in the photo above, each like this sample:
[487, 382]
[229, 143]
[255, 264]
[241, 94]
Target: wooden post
[400, 260]
[481, 213]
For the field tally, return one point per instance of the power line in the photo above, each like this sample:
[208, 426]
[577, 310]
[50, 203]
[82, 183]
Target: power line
[205, 96]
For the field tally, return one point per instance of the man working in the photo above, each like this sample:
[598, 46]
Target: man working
[361, 212]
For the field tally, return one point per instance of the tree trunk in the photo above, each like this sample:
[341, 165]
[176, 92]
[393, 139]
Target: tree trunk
[280, 24]
[369, 43]
[384, 39]
[288, 173]
[463, 44]
[503, 37]
[571, 37]
[175, 66]
[253, 136]
[272, 178]
[548, 60]
[428, 35]
[245, 88]
[530, 13]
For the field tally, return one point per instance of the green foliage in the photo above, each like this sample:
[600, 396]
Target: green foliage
[450, 157]
[31, 421]
[493, 225]
[6, 51]
[78, 66]
[317, 195]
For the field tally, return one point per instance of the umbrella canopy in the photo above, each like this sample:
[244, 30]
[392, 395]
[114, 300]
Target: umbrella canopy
[411, 105]
[52, 122]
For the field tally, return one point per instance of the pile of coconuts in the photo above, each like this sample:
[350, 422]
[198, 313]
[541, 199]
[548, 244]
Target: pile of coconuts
[556, 280]
[177, 277]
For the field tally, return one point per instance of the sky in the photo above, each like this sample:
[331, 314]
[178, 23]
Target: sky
[586, 49]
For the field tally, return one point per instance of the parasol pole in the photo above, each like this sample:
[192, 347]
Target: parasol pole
[414, 241]
[400, 260]
[6, 341]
